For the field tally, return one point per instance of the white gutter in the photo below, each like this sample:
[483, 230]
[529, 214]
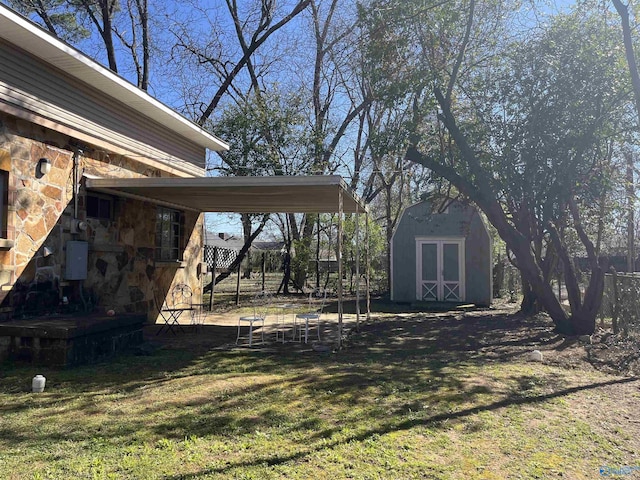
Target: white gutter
[30, 37]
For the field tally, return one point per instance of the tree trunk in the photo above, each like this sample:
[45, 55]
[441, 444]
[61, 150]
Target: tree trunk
[302, 270]
[530, 271]
[529, 304]
[477, 185]
[498, 277]
[286, 273]
[106, 8]
[389, 234]
[630, 191]
[246, 274]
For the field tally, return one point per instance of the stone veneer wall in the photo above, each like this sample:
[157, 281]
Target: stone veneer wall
[122, 272]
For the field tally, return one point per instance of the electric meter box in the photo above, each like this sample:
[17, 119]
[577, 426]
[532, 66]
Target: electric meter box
[77, 259]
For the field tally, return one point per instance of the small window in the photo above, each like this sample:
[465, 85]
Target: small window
[99, 207]
[168, 234]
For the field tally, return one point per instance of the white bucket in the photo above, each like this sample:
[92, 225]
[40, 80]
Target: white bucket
[37, 384]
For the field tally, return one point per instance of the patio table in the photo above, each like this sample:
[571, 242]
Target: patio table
[285, 308]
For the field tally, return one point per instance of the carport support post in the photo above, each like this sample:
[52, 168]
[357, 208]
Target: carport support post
[238, 284]
[339, 253]
[213, 277]
[263, 267]
[357, 239]
[367, 253]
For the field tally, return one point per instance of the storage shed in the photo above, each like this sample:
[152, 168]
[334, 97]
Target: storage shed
[441, 255]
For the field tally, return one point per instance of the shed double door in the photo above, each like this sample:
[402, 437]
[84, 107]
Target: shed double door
[440, 270]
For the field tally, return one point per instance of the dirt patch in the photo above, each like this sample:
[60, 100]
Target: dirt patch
[614, 354]
[501, 333]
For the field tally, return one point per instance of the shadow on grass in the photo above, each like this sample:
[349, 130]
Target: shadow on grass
[431, 421]
[471, 336]
[409, 359]
[378, 353]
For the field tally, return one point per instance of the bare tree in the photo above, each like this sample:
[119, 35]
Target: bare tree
[101, 13]
[116, 24]
[251, 31]
[137, 41]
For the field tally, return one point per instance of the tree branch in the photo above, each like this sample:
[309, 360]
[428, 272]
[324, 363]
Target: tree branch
[245, 57]
[463, 48]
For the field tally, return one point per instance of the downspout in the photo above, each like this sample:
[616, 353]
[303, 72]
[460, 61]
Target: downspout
[76, 190]
[76, 181]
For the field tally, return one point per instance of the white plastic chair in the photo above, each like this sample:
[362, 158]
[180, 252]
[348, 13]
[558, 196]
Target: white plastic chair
[317, 300]
[261, 303]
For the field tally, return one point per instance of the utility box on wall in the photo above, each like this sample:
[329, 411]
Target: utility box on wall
[77, 259]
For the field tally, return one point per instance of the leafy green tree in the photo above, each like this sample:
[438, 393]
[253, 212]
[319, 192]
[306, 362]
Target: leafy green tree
[267, 137]
[527, 131]
[389, 187]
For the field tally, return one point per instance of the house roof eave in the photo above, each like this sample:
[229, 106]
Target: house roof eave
[30, 37]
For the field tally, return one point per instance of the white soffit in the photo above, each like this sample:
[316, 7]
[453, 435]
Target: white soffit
[30, 37]
[278, 194]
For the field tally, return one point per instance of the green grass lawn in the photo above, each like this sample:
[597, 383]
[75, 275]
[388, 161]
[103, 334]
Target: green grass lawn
[399, 402]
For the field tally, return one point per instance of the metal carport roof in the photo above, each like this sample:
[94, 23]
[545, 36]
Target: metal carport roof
[276, 194]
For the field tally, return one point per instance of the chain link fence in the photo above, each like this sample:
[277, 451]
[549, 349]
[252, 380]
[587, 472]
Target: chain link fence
[620, 307]
[507, 283]
[621, 303]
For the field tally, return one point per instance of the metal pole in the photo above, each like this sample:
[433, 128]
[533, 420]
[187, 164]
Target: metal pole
[238, 284]
[318, 253]
[339, 253]
[368, 266]
[203, 270]
[357, 235]
[263, 266]
[213, 277]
